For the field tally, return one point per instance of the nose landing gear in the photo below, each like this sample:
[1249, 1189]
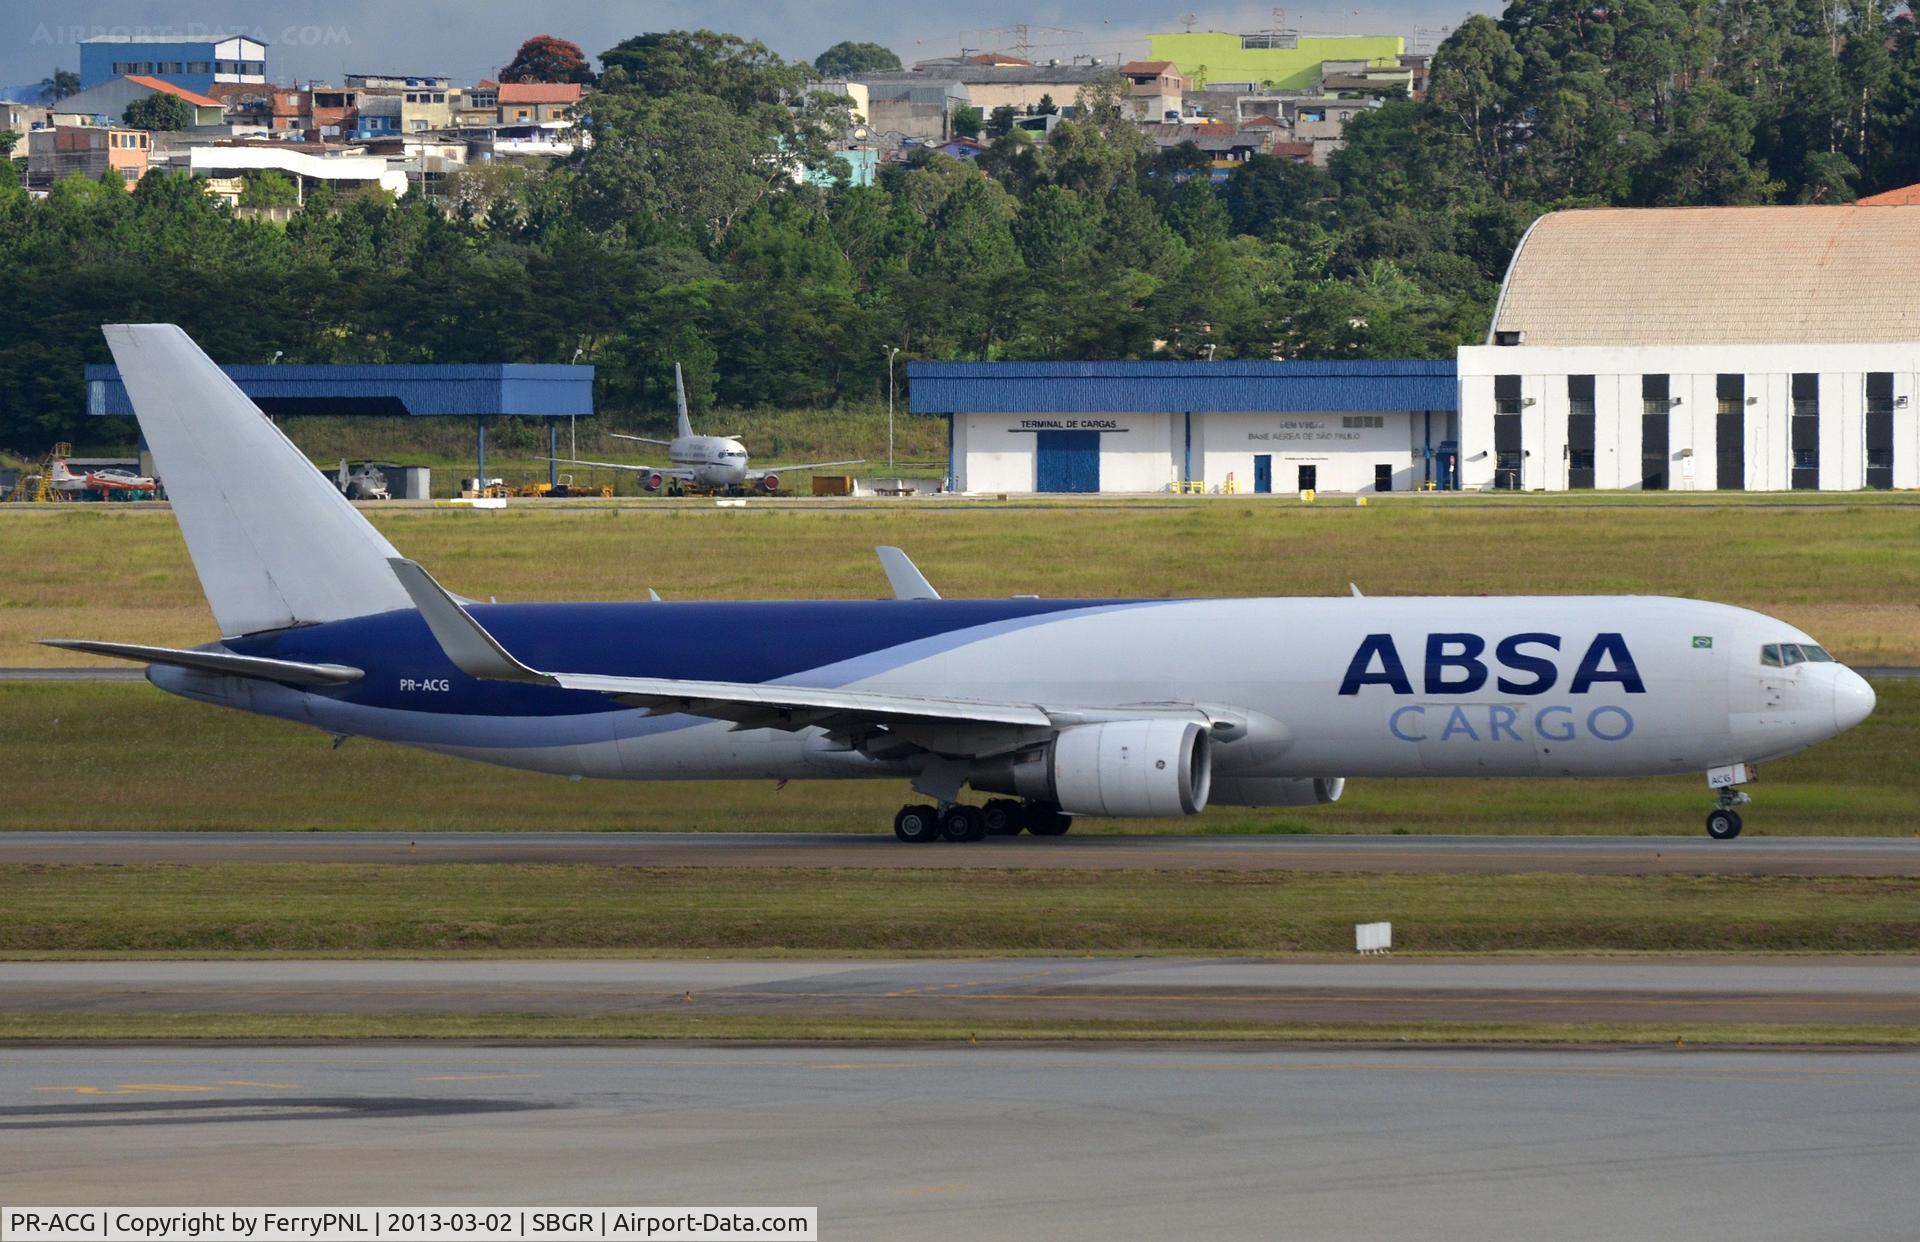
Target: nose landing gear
[1723, 822]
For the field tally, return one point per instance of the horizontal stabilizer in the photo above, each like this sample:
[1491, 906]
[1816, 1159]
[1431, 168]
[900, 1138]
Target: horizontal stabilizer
[478, 654]
[291, 672]
[466, 642]
[904, 576]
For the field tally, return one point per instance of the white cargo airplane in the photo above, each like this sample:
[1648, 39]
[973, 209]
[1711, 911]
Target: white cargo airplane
[1073, 707]
[717, 463]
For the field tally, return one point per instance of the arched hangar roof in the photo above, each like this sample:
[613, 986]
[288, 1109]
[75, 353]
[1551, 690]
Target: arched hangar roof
[1714, 276]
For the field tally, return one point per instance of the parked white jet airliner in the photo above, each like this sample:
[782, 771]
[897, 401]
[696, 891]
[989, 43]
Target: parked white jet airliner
[717, 463]
[1073, 707]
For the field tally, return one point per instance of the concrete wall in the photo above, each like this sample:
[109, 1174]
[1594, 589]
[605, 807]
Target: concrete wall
[1343, 455]
[996, 452]
[1693, 371]
[1149, 452]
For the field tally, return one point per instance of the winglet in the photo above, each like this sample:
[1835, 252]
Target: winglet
[907, 580]
[1355, 588]
[466, 642]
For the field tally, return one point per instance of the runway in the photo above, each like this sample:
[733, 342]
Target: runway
[1836, 992]
[1480, 855]
[910, 1143]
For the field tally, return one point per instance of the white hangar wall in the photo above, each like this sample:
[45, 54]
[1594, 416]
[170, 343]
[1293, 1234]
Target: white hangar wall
[1858, 425]
[1220, 451]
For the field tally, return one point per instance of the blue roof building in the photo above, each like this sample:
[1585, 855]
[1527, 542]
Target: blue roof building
[474, 390]
[195, 63]
[1218, 427]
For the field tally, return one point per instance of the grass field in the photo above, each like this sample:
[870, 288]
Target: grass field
[304, 1028]
[1849, 573]
[371, 909]
[129, 757]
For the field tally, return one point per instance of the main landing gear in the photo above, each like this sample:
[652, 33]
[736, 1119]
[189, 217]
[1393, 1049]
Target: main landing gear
[1001, 817]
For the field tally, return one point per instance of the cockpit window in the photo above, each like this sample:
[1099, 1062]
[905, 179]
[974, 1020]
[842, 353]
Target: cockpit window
[1786, 655]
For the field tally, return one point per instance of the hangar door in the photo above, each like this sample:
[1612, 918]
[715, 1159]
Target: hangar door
[1066, 461]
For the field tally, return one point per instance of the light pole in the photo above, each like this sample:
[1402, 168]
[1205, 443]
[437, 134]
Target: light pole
[891, 351]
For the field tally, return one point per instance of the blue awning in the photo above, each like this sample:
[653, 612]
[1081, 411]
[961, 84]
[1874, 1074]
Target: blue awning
[541, 390]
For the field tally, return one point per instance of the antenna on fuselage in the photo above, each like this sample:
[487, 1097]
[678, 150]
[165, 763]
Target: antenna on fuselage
[680, 402]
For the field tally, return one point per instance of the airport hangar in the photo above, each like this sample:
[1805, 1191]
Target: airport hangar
[1219, 427]
[1727, 348]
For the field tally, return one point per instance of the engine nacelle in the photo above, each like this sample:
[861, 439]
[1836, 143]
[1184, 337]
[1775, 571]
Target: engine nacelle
[771, 482]
[1277, 791]
[1122, 768]
[653, 481]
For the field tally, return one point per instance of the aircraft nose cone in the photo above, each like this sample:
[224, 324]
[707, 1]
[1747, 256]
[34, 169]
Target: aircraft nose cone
[1853, 699]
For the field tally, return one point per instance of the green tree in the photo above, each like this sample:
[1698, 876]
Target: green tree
[848, 57]
[545, 58]
[966, 121]
[62, 83]
[742, 72]
[1000, 120]
[269, 188]
[9, 139]
[160, 112]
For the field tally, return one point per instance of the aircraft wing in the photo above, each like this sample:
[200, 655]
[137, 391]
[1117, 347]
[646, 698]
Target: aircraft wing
[762, 471]
[621, 435]
[291, 672]
[960, 725]
[665, 472]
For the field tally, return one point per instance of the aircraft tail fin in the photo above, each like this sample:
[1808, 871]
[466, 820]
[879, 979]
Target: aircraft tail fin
[274, 542]
[680, 402]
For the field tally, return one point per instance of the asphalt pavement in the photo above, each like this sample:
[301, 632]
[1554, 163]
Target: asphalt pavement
[1754, 855]
[1686, 993]
[910, 1143]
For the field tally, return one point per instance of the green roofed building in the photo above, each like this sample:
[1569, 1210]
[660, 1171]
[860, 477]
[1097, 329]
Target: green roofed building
[1284, 60]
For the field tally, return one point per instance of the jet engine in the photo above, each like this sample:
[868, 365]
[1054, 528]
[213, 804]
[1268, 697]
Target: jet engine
[1120, 768]
[1277, 791]
[771, 482]
[653, 481]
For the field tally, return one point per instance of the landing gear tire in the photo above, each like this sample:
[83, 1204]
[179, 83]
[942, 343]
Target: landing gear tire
[917, 824]
[1005, 817]
[963, 823]
[1044, 819]
[1723, 824]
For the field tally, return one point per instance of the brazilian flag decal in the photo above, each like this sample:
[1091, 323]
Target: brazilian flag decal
[1703, 642]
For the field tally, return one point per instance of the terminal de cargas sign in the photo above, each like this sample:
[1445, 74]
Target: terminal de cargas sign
[1071, 424]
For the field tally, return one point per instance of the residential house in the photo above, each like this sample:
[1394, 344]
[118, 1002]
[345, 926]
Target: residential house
[333, 112]
[109, 102]
[537, 103]
[21, 117]
[1155, 89]
[306, 166]
[87, 151]
[427, 101]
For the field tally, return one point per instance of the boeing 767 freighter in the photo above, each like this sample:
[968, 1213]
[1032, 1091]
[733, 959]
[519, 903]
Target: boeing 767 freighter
[1066, 708]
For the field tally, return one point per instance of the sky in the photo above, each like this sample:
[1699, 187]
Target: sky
[325, 39]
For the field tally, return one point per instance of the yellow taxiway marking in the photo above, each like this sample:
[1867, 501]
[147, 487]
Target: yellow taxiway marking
[134, 1088]
[949, 1188]
[473, 1077]
[247, 1082]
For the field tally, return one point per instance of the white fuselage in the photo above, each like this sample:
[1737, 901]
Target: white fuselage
[717, 462]
[1341, 687]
